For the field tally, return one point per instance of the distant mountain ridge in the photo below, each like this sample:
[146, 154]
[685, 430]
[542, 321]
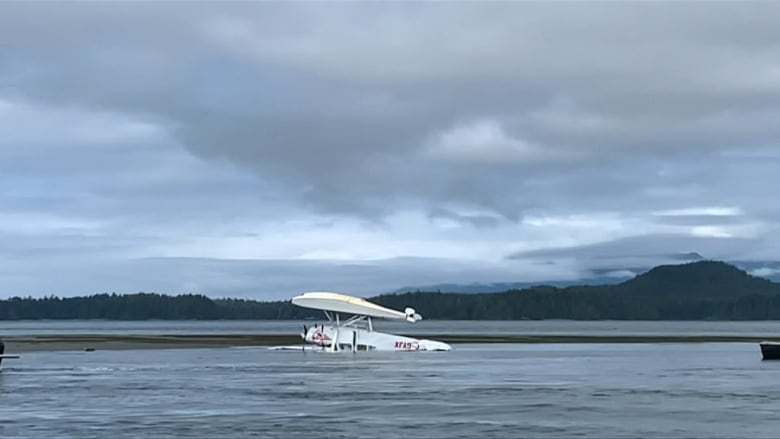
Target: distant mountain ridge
[701, 290]
[600, 276]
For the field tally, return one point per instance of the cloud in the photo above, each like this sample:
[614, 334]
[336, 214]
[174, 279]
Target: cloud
[21, 124]
[486, 142]
[268, 279]
[702, 212]
[765, 271]
[620, 274]
[623, 257]
[369, 132]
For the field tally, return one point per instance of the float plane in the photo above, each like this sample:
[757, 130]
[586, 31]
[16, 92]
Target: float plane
[355, 332]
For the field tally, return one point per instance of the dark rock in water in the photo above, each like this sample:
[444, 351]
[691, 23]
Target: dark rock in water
[2, 352]
[89, 349]
[770, 350]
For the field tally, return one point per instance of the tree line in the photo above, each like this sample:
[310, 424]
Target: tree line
[705, 290]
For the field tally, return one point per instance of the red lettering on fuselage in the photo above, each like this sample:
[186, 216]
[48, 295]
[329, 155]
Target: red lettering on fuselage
[407, 345]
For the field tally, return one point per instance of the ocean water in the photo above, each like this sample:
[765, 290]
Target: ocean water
[541, 327]
[674, 390]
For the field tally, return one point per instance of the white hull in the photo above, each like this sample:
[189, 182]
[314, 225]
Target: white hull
[350, 339]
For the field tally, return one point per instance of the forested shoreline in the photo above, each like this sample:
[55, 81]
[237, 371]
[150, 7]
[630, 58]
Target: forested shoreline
[706, 290]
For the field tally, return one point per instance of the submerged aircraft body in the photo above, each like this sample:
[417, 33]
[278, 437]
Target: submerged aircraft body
[356, 333]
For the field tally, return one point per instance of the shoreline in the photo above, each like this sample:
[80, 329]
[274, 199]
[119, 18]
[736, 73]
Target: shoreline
[33, 343]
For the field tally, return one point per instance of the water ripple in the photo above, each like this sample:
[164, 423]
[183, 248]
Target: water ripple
[486, 391]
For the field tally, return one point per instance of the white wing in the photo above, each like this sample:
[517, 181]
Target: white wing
[342, 303]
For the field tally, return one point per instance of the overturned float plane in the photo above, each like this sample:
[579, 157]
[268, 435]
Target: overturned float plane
[355, 332]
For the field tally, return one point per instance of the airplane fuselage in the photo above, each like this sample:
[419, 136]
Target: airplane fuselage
[334, 338]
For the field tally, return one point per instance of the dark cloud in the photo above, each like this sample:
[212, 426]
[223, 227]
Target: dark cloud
[342, 101]
[175, 120]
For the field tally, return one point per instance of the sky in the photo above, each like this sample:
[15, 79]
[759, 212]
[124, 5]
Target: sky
[262, 149]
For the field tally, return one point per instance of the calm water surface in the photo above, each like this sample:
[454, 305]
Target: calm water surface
[706, 390]
[544, 327]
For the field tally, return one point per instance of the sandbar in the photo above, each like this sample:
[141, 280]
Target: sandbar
[31, 343]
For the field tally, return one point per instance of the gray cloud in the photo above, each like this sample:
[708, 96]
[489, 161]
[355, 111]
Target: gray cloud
[163, 129]
[656, 247]
[268, 279]
[342, 101]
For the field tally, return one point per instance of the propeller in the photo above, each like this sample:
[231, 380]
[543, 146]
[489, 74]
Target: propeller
[305, 331]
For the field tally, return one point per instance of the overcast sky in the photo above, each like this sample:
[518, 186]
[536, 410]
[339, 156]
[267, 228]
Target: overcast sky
[263, 149]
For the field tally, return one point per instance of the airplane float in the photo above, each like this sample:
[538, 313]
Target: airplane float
[356, 332]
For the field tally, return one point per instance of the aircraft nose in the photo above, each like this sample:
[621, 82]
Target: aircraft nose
[442, 346]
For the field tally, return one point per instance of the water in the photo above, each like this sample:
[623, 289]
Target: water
[704, 390]
[543, 327]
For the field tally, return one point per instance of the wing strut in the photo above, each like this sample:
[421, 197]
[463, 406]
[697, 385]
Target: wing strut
[334, 347]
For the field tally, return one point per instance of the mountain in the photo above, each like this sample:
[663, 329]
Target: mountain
[497, 287]
[703, 279]
[690, 256]
[596, 276]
